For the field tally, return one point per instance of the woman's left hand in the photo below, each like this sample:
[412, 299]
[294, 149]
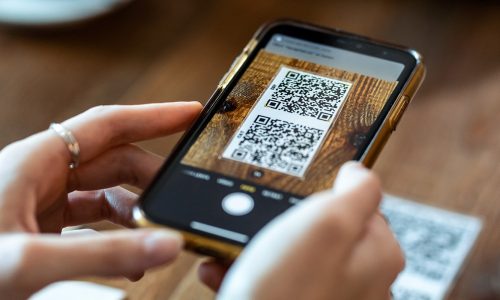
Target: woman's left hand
[40, 195]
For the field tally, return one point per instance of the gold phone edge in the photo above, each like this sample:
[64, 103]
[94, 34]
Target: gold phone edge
[194, 242]
[228, 252]
[392, 119]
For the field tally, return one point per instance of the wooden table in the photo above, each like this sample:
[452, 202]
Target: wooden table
[445, 152]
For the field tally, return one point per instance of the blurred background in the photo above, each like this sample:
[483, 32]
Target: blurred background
[445, 151]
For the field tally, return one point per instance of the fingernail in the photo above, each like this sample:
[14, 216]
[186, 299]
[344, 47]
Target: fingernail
[353, 165]
[349, 176]
[162, 246]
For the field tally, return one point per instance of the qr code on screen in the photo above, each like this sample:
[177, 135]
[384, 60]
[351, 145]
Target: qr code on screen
[287, 125]
[307, 95]
[276, 144]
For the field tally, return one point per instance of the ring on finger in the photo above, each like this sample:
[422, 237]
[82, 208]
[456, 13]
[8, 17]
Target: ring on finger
[70, 141]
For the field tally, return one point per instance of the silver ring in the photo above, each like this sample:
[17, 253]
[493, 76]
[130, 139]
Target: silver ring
[71, 143]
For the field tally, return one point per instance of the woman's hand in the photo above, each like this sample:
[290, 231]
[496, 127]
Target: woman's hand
[40, 194]
[334, 245]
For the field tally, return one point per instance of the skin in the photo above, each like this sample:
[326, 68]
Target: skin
[334, 245]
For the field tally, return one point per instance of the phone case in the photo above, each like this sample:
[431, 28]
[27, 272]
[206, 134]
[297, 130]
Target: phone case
[222, 250]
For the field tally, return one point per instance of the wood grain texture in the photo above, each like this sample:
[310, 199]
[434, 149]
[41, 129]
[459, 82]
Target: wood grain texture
[363, 105]
[445, 151]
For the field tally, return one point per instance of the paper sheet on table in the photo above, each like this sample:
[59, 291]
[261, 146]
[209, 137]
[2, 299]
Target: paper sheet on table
[436, 243]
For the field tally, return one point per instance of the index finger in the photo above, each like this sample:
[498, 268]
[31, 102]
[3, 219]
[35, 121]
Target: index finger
[104, 127]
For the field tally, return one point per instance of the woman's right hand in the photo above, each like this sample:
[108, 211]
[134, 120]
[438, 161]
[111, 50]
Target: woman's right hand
[334, 245]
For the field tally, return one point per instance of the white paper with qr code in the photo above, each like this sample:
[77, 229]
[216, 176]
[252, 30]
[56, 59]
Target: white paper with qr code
[287, 125]
[436, 243]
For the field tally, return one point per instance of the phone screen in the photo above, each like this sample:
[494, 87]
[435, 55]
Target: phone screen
[301, 107]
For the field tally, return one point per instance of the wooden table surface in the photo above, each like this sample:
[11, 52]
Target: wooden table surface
[445, 152]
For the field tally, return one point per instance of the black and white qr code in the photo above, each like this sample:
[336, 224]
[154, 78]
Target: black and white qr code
[427, 244]
[400, 293]
[276, 144]
[287, 124]
[307, 95]
[435, 242]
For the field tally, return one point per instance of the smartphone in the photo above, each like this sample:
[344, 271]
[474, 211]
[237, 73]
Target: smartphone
[299, 101]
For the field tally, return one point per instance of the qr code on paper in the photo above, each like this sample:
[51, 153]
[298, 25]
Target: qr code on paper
[286, 126]
[427, 244]
[409, 294]
[308, 95]
[435, 243]
[277, 144]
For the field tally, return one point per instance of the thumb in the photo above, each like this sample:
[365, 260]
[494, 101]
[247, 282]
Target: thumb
[119, 253]
[358, 191]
